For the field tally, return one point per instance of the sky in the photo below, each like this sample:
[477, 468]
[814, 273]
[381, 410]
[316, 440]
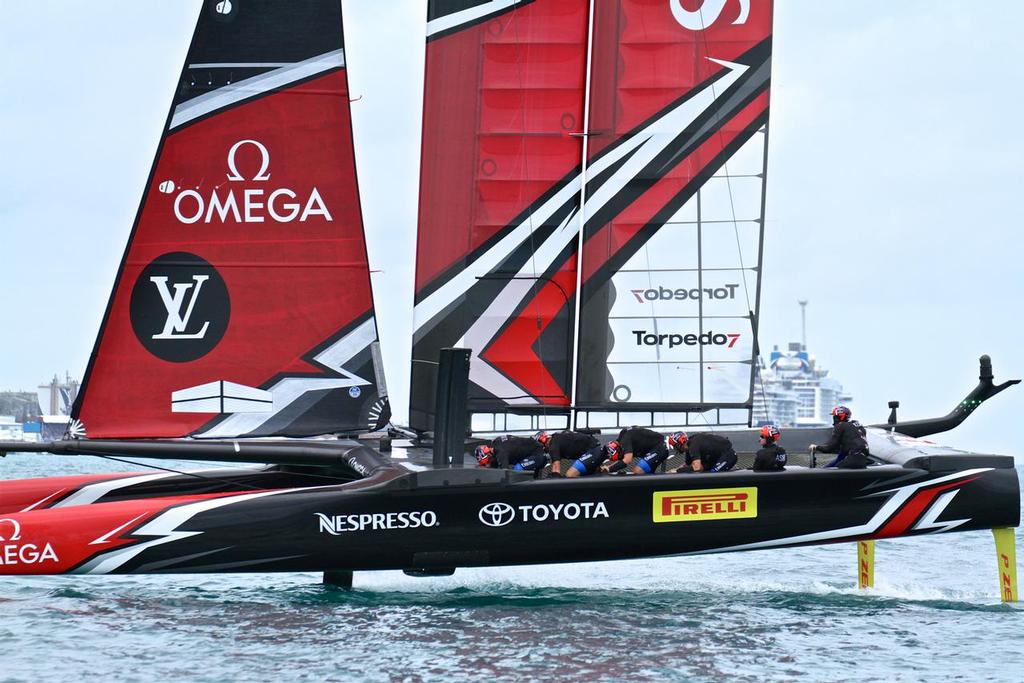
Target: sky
[894, 183]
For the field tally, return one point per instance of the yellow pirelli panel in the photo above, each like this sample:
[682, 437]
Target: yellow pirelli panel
[866, 564]
[702, 505]
[1006, 556]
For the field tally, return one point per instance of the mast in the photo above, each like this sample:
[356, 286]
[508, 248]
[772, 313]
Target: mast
[583, 217]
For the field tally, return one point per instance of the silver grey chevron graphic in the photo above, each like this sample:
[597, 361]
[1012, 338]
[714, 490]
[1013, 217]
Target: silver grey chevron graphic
[250, 87]
[291, 389]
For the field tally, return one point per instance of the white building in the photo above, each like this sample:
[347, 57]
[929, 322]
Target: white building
[10, 430]
[794, 391]
[56, 397]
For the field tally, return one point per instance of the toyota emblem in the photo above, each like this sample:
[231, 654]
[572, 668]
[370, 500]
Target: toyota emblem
[497, 514]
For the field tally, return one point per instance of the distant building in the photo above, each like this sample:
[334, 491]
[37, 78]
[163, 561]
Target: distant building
[794, 391]
[43, 415]
[53, 427]
[57, 397]
[33, 431]
[10, 429]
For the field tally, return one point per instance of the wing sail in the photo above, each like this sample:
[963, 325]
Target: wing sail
[499, 200]
[671, 216]
[243, 305]
[674, 209]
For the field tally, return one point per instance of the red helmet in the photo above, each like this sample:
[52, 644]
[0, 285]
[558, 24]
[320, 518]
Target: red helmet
[841, 413]
[543, 437]
[678, 440]
[612, 449]
[483, 455]
[770, 433]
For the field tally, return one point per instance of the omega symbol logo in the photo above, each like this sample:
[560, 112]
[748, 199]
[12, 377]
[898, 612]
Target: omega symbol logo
[246, 196]
[179, 307]
[497, 514]
[705, 15]
[15, 530]
[264, 161]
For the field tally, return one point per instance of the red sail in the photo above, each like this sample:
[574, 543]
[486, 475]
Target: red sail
[676, 88]
[243, 303]
[503, 113]
[679, 93]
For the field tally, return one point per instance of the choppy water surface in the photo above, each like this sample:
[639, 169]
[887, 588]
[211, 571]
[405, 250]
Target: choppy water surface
[781, 615]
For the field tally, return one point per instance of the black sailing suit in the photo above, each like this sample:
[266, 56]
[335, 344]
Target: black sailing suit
[646, 445]
[849, 441]
[715, 452]
[569, 445]
[589, 462]
[518, 453]
[771, 458]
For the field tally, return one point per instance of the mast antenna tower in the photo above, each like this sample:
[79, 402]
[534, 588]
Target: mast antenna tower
[803, 323]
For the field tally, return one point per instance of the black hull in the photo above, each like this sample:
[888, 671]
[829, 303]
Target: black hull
[447, 518]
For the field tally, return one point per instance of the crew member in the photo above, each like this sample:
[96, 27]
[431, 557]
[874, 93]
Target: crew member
[848, 441]
[593, 459]
[512, 452]
[566, 445]
[771, 457]
[704, 451]
[643, 451]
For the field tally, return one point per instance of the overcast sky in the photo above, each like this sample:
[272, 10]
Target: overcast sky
[895, 176]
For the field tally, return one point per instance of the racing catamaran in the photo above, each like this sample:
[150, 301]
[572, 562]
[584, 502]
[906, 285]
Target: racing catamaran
[590, 231]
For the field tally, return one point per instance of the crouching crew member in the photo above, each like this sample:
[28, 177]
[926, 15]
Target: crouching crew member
[643, 451]
[589, 462]
[512, 452]
[771, 457]
[848, 441]
[566, 445]
[704, 451]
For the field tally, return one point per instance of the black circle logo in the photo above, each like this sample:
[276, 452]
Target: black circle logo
[180, 307]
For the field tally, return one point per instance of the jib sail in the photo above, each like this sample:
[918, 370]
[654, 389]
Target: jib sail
[499, 200]
[667, 130]
[243, 303]
[672, 241]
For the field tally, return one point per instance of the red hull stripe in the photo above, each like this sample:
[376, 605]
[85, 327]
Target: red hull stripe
[914, 508]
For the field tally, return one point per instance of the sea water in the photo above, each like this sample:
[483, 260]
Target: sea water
[794, 614]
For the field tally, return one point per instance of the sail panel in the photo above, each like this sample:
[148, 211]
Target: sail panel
[672, 236]
[499, 200]
[243, 304]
